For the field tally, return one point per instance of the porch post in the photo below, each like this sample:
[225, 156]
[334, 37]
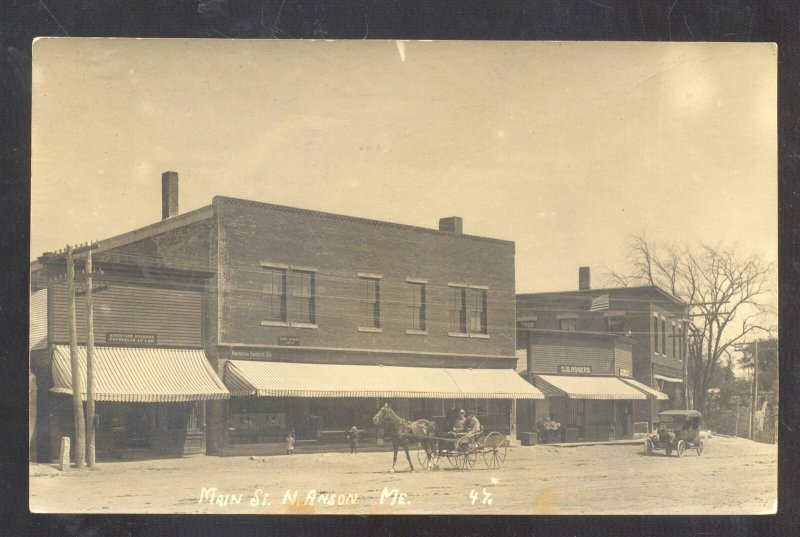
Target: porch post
[512, 430]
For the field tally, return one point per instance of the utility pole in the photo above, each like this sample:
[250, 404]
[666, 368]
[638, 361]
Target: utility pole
[90, 417]
[77, 403]
[736, 425]
[753, 403]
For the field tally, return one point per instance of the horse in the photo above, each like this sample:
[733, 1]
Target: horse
[401, 430]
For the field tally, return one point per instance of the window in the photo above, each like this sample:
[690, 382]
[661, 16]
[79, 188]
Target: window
[468, 311]
[370, 314]
[477, 311]
[615, 323]
[523, 333]
[569, 324]
[416, 305]
[275, 292]
[303, 297]
[663, 336]
[458, 310]
[674, 342]
[656, 339]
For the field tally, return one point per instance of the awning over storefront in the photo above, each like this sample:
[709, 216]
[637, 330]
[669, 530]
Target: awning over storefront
[668, 379]
[652, 392]
[576, 387]
[141, 375]
[282, 379]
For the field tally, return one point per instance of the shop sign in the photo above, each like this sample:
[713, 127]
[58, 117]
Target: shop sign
[575, 369]
[245, 353]
[289, 341]
[624, 372]
[130, 338]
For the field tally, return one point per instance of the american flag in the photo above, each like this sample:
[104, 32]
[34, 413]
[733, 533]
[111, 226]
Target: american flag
[600, 303]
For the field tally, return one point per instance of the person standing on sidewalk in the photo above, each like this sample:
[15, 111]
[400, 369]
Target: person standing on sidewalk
[352, 435]
[290, 443]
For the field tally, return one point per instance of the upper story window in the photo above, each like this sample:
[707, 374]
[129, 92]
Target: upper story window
[663, 336]
[416, 305]
[303, 295]
[275, 291]
[674, 341]
[458, 310]
[468, 310]
[569, 324]
[656, 339]
[370, 302]
[477, 311]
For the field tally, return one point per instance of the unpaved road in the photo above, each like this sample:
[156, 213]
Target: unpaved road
[733, 476]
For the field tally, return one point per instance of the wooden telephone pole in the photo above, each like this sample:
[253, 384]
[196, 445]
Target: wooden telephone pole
[90, 362]
[77, 403]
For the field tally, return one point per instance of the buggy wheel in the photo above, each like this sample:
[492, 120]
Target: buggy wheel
[681, 447]
[422, 457]
[700, 447]
[648, 446]
[467, 453]
[494, 450]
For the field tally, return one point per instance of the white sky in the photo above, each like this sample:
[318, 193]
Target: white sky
[565, 148]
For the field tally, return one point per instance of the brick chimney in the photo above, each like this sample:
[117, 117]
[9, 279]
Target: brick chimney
[169, 195]
[453, 224]
[584, 279]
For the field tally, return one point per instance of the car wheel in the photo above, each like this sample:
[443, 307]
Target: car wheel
[700, 447]
[681, 447]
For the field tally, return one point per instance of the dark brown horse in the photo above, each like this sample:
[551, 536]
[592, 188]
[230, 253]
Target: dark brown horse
[402, 430]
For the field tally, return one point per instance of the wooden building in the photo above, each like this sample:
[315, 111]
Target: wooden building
[311, 320]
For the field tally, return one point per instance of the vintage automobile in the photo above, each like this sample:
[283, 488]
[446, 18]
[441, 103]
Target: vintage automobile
[677, 431]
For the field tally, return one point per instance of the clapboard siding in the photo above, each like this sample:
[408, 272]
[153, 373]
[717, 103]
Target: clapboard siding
[624, 357]
[173, 314]
[551, 350]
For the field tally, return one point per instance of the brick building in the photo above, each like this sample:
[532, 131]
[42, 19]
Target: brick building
[633, 333]
[309, 320]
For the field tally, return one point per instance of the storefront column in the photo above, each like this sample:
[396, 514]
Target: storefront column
[512, 437]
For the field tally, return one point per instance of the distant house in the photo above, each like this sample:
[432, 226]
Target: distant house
[632, 333]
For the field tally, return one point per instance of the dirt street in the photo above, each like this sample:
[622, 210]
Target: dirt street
[733, 476]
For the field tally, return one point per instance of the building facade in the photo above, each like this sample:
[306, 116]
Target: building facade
[650, 320]
[309, 320]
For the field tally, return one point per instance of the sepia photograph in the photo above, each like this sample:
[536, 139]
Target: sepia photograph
[330, 277]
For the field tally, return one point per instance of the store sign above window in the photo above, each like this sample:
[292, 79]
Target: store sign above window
[575, 369]
[129, 338]
[246, 353]
[289, 341]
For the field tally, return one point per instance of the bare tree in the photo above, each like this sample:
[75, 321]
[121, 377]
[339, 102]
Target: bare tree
[725, 294]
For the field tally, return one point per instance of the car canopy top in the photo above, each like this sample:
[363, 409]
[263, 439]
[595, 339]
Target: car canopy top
[673, 414]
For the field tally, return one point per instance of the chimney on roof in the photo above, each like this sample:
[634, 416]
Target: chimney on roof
[584, 279]
[169, 195]
[453, 224]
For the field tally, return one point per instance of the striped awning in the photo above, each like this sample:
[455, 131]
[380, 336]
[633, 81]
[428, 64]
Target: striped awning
[141, 375]
[282, 379]
[576, 387]
[649, 390]
[668, 379]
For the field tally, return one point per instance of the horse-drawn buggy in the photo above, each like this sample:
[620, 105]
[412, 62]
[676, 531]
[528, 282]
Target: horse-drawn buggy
[678, 430]
[460, 449]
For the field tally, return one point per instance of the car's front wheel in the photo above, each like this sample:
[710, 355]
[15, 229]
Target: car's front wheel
[648, 446]
[681, 447]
